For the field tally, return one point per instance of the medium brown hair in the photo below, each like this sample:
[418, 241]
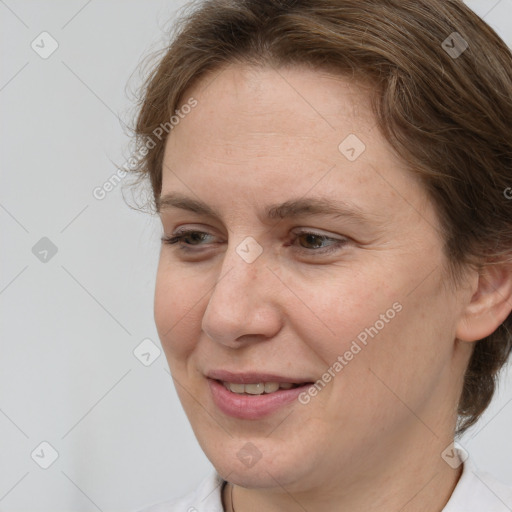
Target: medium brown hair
[445, 109]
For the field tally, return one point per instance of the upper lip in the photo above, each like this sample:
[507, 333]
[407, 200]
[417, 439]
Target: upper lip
[252, 377]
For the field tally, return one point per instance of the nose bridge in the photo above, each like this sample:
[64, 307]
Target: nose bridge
[236, 275]
[241, 301]
[238, 278]
[243, 267]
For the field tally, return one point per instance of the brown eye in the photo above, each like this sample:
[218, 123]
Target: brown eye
[187, 238]
[312, 241]
[194, 236]
[316, 243]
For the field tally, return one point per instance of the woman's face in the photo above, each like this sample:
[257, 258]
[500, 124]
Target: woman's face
[315, 256]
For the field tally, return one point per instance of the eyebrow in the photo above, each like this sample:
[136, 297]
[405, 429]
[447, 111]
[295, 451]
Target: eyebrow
[289, 209]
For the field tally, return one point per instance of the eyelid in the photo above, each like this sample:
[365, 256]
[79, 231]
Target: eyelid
[298, 231]
[316, 232]
[185, 228]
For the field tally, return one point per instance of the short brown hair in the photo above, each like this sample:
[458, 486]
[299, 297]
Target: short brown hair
[443, 100]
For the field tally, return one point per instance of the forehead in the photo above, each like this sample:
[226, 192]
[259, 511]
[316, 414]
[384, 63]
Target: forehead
[257, 95]
[261, 132]
[262, 117]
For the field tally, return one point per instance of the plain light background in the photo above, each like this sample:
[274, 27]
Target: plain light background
[70, 325]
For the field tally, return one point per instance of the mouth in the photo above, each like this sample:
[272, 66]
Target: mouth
[253, 396]
[260, 388]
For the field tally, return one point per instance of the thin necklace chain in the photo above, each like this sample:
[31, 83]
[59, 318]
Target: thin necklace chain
[232, 506]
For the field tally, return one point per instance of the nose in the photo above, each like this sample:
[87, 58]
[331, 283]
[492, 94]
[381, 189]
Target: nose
[244, 304]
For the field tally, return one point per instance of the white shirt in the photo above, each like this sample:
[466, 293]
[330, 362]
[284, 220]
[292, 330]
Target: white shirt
[475, 491]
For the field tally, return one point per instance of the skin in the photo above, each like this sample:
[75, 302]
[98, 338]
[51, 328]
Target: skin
[372, 439]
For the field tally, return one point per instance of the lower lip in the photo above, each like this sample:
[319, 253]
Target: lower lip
[251, 407]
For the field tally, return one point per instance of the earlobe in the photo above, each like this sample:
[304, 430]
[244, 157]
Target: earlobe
[490, 304]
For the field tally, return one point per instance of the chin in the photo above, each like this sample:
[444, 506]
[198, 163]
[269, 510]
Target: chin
[257, 463]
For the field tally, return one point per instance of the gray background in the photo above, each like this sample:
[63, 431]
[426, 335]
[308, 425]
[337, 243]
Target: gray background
[69, 326]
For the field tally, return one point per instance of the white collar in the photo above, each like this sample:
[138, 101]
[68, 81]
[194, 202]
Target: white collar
[478, 491]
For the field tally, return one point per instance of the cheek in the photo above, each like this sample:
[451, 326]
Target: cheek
[344, 310]
[374, 318]
[177, 304]
[395, 359]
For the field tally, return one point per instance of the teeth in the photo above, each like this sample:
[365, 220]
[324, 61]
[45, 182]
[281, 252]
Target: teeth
[236, 388]
[258, 388]
[255, 389]
[270, 387]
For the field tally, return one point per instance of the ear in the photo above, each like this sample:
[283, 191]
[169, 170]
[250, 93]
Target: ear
[490, 304]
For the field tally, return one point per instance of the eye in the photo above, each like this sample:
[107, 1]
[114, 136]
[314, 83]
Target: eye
[187, 237]
[318, 243]
[310, 243]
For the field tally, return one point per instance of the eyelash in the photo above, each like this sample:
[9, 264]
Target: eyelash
[181, 235]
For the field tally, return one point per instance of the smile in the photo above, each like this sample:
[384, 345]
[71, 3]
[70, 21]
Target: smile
[258, 389]
[252, 400]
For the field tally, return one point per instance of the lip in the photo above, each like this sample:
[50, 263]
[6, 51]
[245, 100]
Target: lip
[251, 407]
[252, 377]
